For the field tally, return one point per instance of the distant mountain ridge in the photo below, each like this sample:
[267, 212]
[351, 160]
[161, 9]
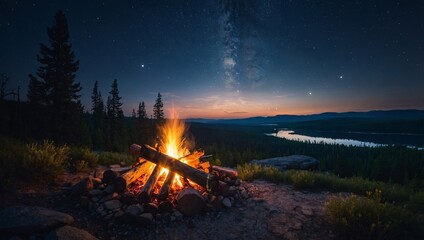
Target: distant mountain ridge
[410, 114]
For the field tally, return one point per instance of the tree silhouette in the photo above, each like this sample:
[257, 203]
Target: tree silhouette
[141, 112]
[158, 110]
[115, 115]
[3, 82]
[97, 107]
[142, 132]
[54, 85]
[56, 77]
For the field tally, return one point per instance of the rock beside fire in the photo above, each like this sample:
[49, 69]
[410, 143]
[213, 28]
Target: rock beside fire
[68, 232]
[190, 201]
[26, 220]
[299, 162]
[84, 186]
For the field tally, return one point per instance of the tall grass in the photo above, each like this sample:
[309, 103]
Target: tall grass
[307, 180]
[370, 218]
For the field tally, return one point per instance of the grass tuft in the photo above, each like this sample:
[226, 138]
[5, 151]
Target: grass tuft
[369, 218]
[45, 161]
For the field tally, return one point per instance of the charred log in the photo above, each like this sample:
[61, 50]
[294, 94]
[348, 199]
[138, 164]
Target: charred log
[122, 182]
[147, 189]
[164, 190]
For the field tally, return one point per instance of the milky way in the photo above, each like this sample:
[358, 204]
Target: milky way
[231, 58]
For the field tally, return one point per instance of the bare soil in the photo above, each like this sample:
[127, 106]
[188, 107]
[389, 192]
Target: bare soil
[274, 211]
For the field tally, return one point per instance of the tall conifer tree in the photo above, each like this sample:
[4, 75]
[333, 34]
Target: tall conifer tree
[97, 107]
[158, 113]
[55, 87]
[115, 115]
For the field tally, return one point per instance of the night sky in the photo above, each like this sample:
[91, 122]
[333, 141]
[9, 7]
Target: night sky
[231, 59]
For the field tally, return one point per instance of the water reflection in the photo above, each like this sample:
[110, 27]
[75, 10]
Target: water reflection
[291, 135]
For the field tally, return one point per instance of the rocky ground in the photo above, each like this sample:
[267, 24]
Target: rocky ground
[273, 211]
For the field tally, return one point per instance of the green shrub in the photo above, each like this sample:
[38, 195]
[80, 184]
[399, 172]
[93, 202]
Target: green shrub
[215, 162]
[416, 203]
[249, 172]
[369, 218]
[44, 161]
[11, 153]
[81, 166]
[84, 154]
[304, 180]
[107, 158]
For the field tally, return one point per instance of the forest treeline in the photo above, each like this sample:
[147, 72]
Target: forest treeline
[53, 109]
[233, 145]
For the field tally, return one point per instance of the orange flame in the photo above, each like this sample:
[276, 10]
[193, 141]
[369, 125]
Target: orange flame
[173, 144]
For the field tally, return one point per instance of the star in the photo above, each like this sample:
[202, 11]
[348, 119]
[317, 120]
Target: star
[142, 65]
[341, 77]
[310, 93]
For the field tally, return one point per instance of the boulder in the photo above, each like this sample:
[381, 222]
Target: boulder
[98, 173]
[226, 202]
[112, 204]
[135, 210]
[299, 162]
[109, 176]
[150, 208]
[145, 219]
[69, 233]
[83, 187]
[27, 220]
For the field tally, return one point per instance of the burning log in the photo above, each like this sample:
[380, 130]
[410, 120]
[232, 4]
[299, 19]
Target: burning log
[190, 201]
[205, 180]
[164, 190]
[205, 166]
[231, 173]
[193, 159]
[147, 189]
[127, 178]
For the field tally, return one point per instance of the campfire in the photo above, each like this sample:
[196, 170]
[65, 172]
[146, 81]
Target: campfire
[165, 179]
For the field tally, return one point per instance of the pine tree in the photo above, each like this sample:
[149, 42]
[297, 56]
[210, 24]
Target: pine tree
[133, 115]
[115, 115]
[142, 131]
[54, 85]
[56, 77]
[3, 82]
[114, 101]
[141, 112]
[158, 110]
[97, 107]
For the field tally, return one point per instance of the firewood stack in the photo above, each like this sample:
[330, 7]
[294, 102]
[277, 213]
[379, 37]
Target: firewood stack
[141, 194]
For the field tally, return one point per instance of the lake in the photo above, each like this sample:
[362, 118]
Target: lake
[352, 138]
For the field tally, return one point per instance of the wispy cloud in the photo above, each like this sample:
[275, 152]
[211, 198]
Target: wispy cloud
[236, 112]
